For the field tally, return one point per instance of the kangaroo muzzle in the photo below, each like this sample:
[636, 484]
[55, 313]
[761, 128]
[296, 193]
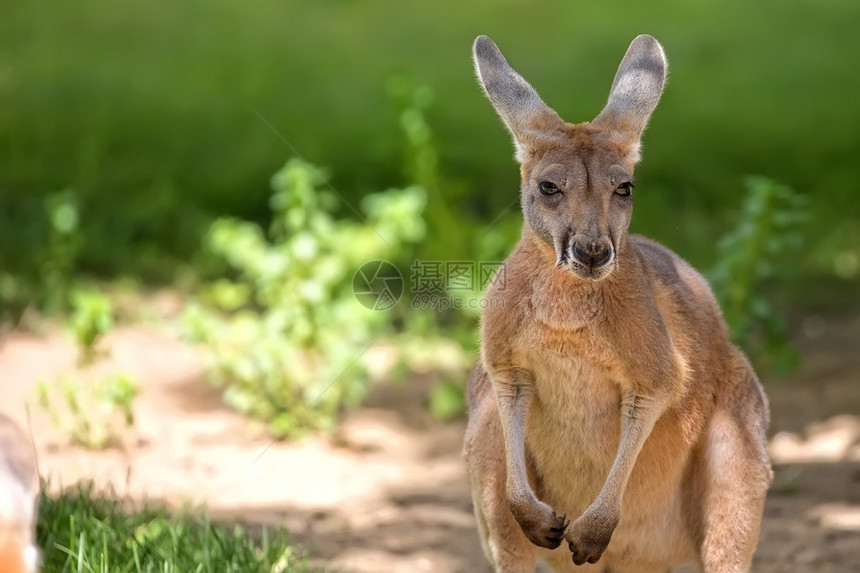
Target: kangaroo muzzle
[591, 253]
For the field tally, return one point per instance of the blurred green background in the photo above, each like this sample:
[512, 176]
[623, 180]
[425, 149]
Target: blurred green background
[151, 114]
[127, 130]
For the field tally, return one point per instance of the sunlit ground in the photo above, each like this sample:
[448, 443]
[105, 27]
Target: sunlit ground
[388, 492]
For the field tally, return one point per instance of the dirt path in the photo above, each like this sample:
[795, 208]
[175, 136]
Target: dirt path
[390, 494]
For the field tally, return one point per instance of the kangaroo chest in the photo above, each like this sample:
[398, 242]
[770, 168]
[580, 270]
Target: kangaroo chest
[574, 423]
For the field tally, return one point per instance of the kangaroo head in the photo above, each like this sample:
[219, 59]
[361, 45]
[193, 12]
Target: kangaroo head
[577, 179]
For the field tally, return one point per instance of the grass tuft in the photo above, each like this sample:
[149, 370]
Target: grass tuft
[83, 531]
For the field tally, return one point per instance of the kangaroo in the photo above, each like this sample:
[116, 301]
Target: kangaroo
[19, 490]
[607, 388]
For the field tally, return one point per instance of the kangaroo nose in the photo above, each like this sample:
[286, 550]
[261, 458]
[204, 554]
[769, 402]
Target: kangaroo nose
[592, 253]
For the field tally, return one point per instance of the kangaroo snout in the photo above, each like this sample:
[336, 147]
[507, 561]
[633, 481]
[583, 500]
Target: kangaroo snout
[591, 253]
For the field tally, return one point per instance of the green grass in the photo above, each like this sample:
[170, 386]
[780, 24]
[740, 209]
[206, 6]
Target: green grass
[82, 531]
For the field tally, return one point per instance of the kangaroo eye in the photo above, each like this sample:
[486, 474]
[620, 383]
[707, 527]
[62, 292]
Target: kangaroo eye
[548, 188]
[624, 189]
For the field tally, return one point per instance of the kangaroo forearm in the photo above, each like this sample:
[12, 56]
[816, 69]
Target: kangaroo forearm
[514, 395]
[638, 417]
[514, 390]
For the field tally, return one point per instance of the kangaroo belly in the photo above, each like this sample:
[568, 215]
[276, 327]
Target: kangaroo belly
[573, 430]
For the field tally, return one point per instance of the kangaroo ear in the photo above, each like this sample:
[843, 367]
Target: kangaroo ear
[635, 92]
[518, 104]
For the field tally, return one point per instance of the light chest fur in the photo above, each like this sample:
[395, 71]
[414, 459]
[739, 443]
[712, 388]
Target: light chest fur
[574, 423]
[573, 431]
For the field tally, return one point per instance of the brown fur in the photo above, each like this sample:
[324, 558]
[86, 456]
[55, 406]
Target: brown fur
[19, 489]
[606, 391]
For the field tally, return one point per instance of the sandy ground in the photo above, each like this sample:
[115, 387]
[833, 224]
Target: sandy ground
[389, 494]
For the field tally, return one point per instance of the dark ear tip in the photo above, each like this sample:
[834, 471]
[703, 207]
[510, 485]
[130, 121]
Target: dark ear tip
[484, 47]
[647, 44]
[645, 39]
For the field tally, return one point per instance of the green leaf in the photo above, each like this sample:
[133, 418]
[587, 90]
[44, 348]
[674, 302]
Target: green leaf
[447, 400]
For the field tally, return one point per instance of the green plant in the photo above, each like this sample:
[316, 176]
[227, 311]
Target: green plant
[769, 225]
[84, 531]
[93, 411]
[51, 243]
[447, 399]
[91, 319]
[286, 334]
[62, 248]
[421, 165]
[95, 414]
